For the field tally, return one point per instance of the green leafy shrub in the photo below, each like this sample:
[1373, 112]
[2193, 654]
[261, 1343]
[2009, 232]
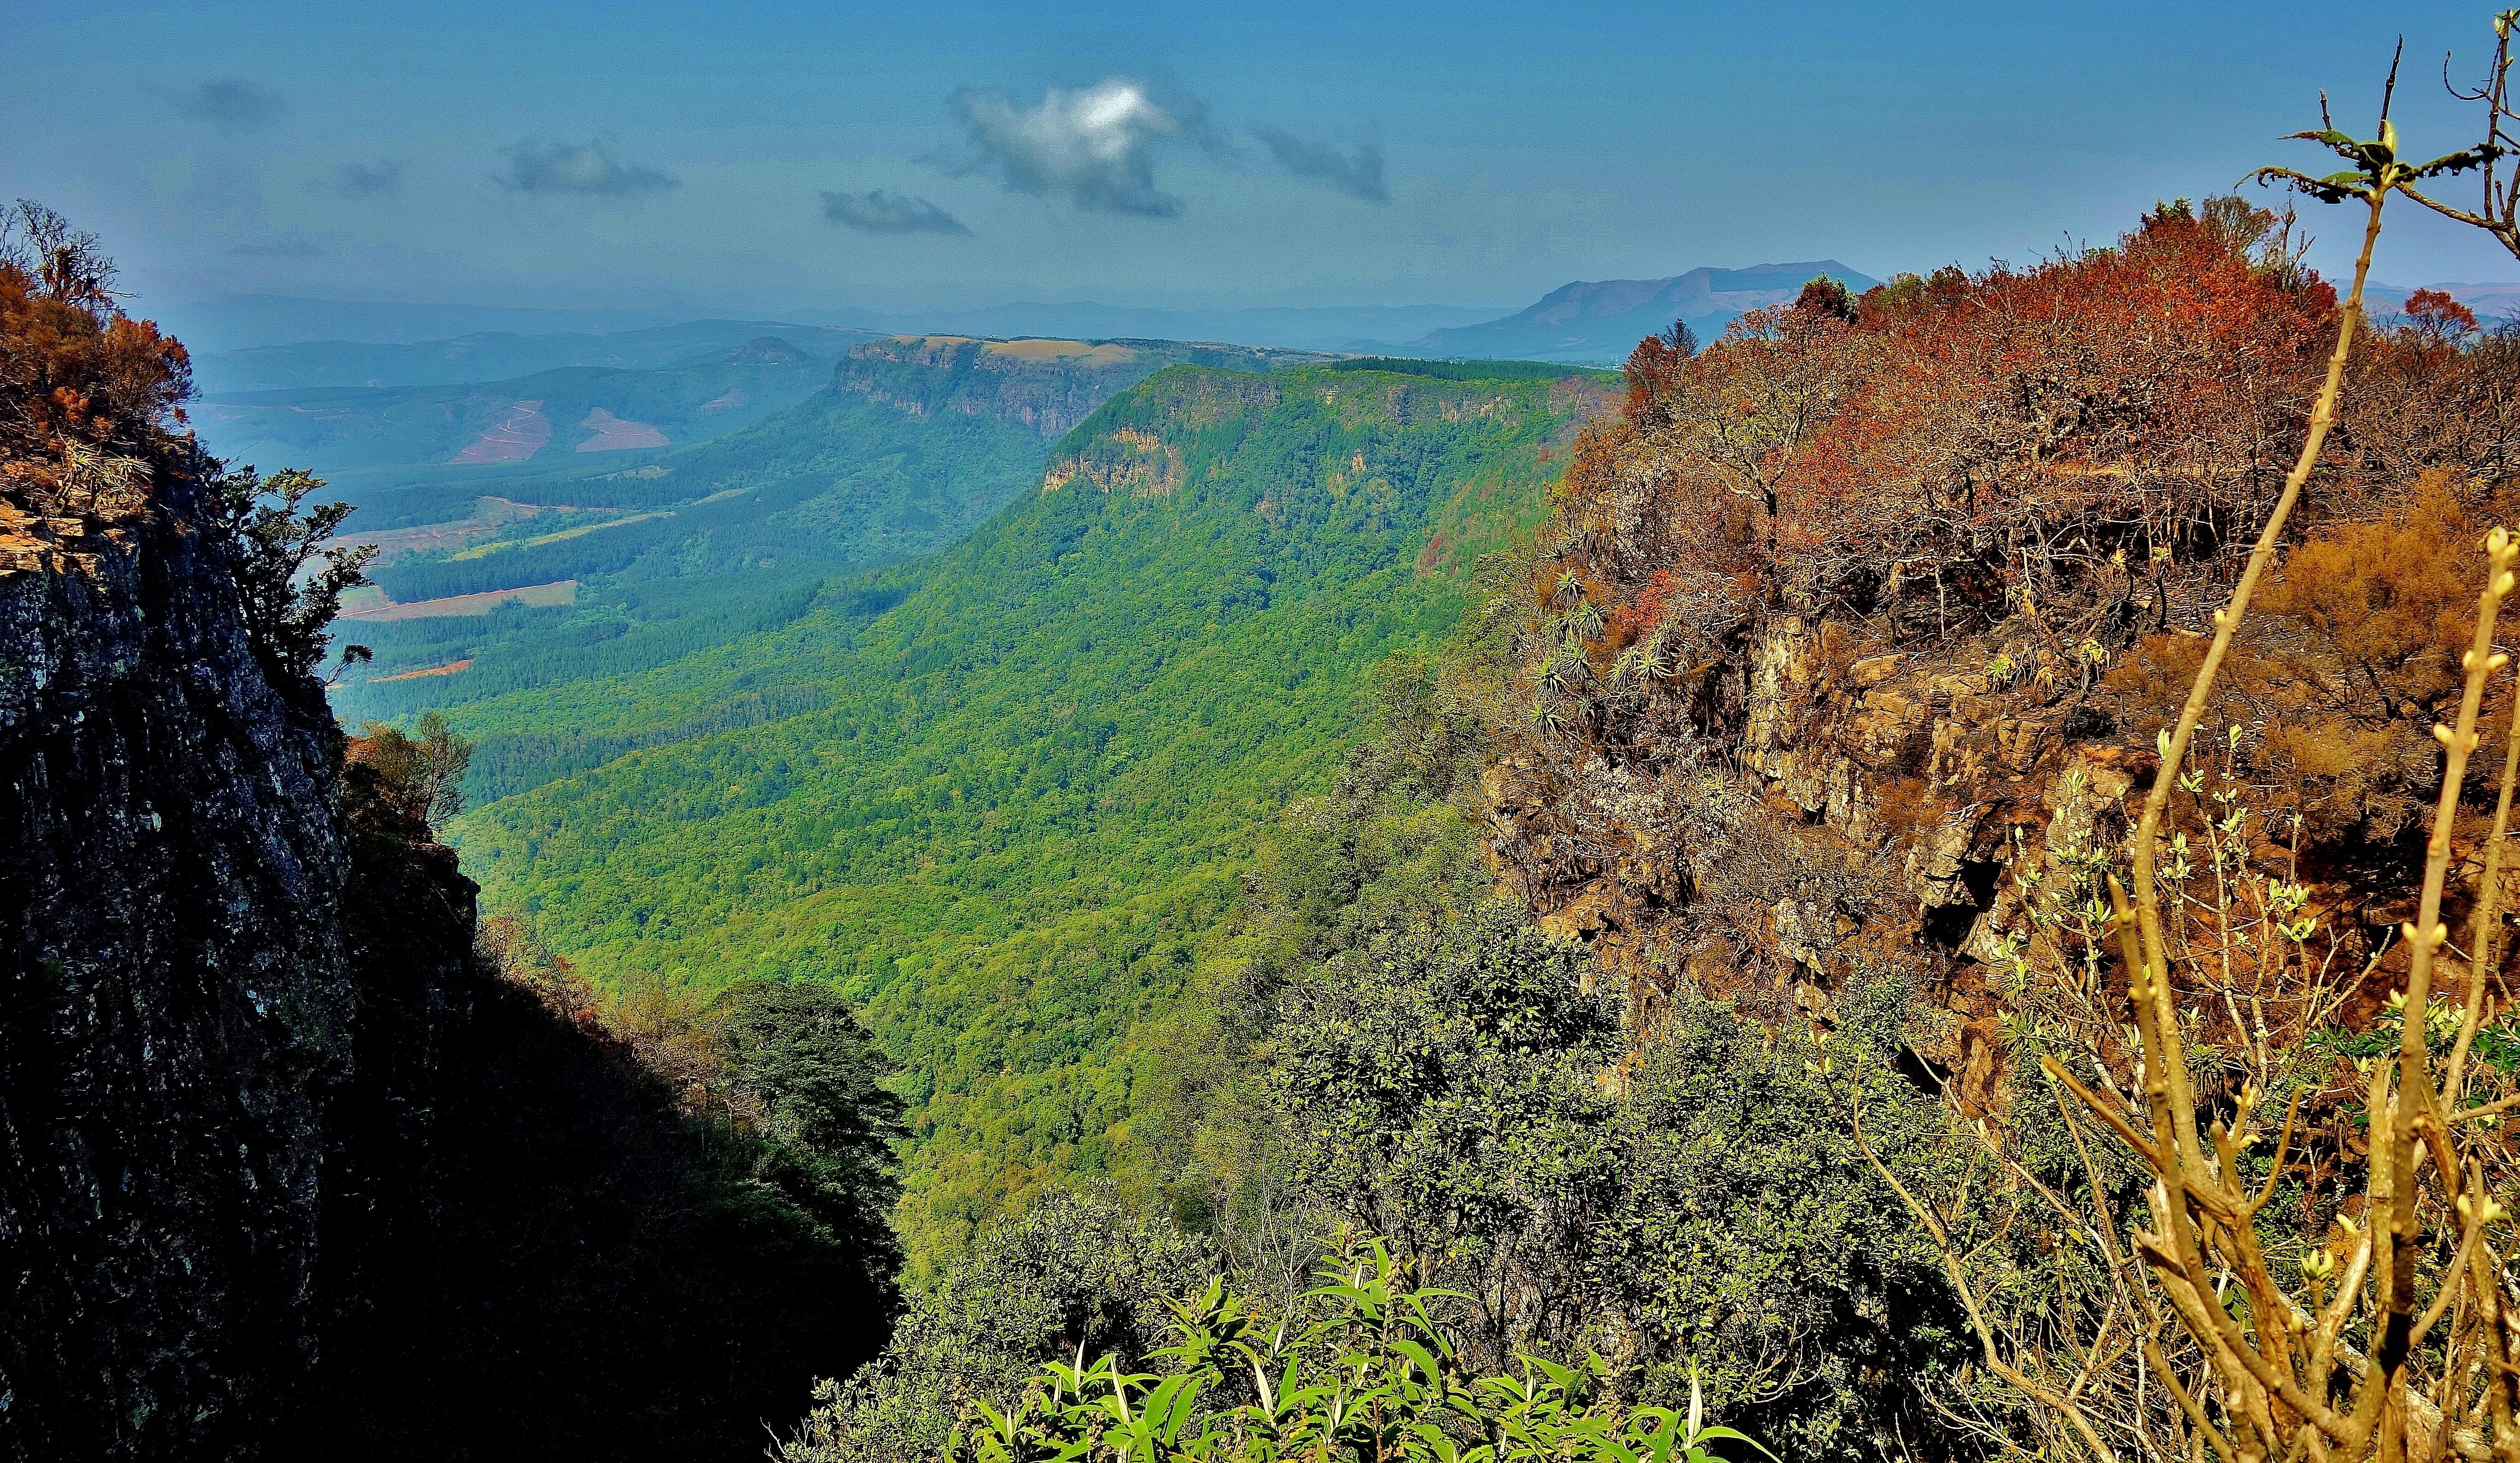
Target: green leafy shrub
[1686, 1203]
[1361, 1369]
[1441, 1087]
[1076, 1274]
[1752, 1246]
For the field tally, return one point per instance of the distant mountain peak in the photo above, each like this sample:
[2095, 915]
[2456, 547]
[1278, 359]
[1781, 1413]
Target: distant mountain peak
[1599, 321]
[770, 350]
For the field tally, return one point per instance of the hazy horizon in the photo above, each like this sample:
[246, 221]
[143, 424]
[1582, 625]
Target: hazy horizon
[790, 158]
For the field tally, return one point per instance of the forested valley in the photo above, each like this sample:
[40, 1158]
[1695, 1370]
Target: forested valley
[1922, 877]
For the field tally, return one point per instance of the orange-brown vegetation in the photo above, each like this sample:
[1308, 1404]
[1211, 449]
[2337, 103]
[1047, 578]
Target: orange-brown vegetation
[89, 397]
[407, 784]
[2352, 658]
[425, 673]
[1859, 607]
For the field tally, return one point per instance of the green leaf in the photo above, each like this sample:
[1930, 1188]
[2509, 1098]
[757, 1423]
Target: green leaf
[1425, 1360]
[1728, 1435]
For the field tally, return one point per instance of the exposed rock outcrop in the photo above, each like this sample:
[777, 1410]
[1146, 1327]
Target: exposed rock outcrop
[1048, 386]
[288, 1167]
[1863, 809]
[1847, 646]
[188, 1017]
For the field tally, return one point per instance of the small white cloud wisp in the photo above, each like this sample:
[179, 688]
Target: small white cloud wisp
[877, 211]
[586, 169]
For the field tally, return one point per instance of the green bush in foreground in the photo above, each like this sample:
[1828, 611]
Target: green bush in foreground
[1361, 1370]
[1077, 1273]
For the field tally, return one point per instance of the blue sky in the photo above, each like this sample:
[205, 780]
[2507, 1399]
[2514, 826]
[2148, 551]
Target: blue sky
[776, 155]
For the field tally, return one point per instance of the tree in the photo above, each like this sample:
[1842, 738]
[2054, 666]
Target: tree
[1825, 295]
[1765, 389]
[1438, 1089]
[1654, 372]
[417, 778]
[273, 537]
[806, 1075]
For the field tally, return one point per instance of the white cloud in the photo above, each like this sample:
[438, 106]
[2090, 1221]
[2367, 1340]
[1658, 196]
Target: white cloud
[1093, 146]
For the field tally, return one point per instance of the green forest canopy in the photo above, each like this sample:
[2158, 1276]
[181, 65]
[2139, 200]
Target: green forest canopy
[1020, 799]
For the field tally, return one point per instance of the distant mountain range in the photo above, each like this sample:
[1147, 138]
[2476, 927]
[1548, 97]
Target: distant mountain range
[570, 408]
[495, 355]
[262, 343]
[1599, 321]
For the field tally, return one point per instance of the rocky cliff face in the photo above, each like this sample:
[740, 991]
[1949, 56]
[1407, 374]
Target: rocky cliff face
[1048, 386]
[183, 1005]
[1844, 654]
[1852, 810]
[288, 1169]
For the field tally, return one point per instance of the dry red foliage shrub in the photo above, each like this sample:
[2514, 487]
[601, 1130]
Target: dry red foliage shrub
[89, 397]
[2026, 432]
[2348, 662]
[2429, 394]
[1948, 529]
[2074, 450]
[2092, 433]
[1654, 372]
[2440, 316]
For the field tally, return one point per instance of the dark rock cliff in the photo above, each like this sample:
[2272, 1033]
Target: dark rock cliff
[289, 1167]
[183, 1007]
[285, 1166]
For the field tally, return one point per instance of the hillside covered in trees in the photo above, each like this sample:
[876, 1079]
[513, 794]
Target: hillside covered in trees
[1717, 969]
[909, 444]
[1706, 967]
[1018, 806]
